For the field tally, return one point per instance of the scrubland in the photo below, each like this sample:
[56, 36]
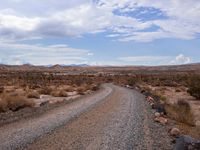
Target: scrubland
[179, 91]
[180, 95]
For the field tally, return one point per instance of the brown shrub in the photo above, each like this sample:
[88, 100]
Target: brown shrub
[95, 87]
[1, 89]
[181, 112]
[3, 105]
[81, 90]
[46, 91]
[159, 96]
[194, 86]
[190, 130]
[178, 90]
[69, 89]
[14, 102]
[33, 94]
[59, 93]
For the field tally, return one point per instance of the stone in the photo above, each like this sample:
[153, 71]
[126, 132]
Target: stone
[185, 142]
[161, 120]
[161, 109]
[157, 114]
[153, 106]
[44, 103]
[150, 99]
[175, 132]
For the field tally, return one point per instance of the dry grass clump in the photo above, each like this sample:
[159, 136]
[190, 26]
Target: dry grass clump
[181, 111]
[194, 87]
[84, 88]
[95, 87]
[178, 90]
[81, 90]
[59, 93]
[14, 102]
[33, 94]
[189, 130]
[69, 89]
[1, 89]
[160, 96]
[46, 90]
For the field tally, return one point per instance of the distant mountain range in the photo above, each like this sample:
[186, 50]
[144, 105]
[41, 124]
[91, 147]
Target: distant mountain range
[195, 67]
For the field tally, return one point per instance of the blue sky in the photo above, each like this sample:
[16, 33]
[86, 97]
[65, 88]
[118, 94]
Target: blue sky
[99, 32]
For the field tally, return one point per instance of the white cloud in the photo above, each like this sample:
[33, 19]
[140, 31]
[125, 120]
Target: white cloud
[156, 60]
[75, 18]
[181, 59]
[36, 19]
[145, 60]
[13, 53]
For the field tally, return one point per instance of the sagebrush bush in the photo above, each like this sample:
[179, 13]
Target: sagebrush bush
[194, 86]
[132, 81]
[14, 102]
[95, 87]
[69, 89]
[59, 93]
[33, 94]
[46, 90]
[81, 90]
[180, 111]
[1, 89]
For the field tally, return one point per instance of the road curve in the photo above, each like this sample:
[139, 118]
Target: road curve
[114, 118]
[19, 134]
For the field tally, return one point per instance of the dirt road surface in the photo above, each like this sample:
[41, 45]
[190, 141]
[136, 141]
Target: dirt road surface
[115, 118]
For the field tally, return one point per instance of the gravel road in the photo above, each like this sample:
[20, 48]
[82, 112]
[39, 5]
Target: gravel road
[113, 118]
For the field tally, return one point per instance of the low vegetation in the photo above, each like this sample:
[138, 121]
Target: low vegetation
[194, 86]
[181, 111]
[33, 94]
[59, 93]
[14, 102]
[1, 89]
[46, 90]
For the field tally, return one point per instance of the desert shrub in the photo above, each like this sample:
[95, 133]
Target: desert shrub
[95, 87]
[14, 102]
[132, 81]
[181, 111]
[1, 89]
[46, 91]
[184, 104]
[178, 90]
[193, 131]
[162, 98]
[194, 86]
[3, 105]
[81, 90]
[59, 93]
[69, 89]
[33, 94]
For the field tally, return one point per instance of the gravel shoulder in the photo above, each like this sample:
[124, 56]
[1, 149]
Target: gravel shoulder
[122, 121]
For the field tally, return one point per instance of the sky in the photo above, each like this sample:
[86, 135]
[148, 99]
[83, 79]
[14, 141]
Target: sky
[99, 32]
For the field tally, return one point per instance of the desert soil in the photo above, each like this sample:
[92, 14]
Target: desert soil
[113, 118]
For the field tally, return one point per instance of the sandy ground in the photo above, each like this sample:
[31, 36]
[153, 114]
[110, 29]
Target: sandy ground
[115, 118]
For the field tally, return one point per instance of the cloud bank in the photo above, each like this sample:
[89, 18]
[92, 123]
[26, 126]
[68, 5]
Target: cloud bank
[119, 20]
[127, 20]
